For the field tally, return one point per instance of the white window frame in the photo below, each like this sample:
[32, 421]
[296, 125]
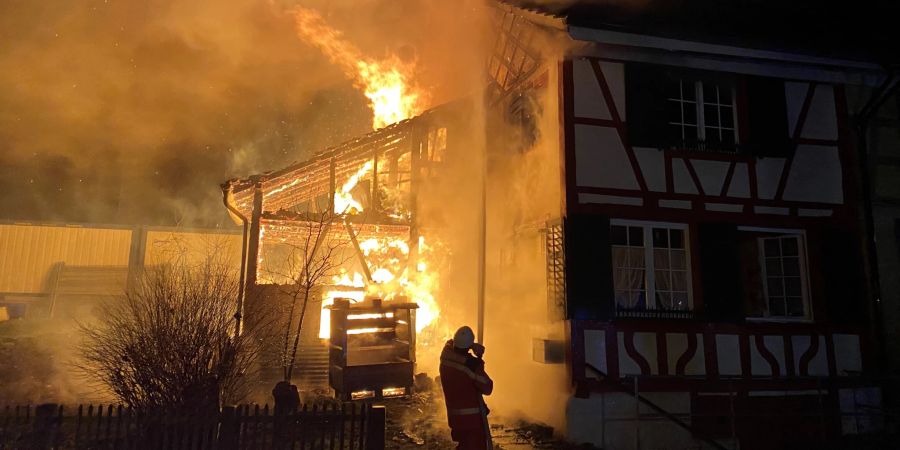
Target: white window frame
[804, 273]
[649, 269]
[700, 107]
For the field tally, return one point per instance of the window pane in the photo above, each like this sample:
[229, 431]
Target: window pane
[771, 248]
[660, 238]
[680, 301]
[636, 258]
[727, 115]
[679, 259]
[795, 306]
[679, 281]
[689, 90]
[620, 257]
[773, 267]
[709, 93]
[660, 259]
[776, 288]
[792, 266]
[662, 280]
[676, 238]
[664, 300]
[792, 286]
[617, 235]
[673, 111]
[712, 136]
[623, 299]
[789, 246]
[636, 236]
[776, 306]
[690, 113]
[711, 115]
[725, 95]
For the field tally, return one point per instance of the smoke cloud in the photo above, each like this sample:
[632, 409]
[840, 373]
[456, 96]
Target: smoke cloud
[133, 111]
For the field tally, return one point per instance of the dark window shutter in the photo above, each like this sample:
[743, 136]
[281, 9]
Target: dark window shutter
[720, 274]
[842, 278]
[767, 124]
[645, 100]
[589, 285]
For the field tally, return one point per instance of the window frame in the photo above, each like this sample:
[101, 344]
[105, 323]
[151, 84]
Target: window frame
[649, 267]
[805, 288]
[699, 102]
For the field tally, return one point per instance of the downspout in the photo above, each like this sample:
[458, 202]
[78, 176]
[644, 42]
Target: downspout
[861, 125]
[239, 313]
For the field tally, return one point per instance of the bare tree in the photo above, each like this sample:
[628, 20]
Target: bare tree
[311, 259]
[171, 342]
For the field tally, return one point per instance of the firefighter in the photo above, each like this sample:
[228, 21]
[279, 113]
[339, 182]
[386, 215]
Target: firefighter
[465, 382]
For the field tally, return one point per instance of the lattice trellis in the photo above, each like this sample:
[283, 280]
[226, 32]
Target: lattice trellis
[556, 270]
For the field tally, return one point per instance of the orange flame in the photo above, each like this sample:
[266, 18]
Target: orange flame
[387, 83]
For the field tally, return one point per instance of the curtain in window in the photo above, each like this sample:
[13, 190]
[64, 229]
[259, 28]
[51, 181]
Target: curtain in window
[629, 277]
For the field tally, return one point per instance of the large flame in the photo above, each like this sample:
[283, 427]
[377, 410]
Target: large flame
[392, 280]
[387, 83]
[344, 203]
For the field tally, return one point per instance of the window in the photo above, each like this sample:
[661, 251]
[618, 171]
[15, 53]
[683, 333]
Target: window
[783, 272]
[774, 274]
[650, 267]
[701, 114]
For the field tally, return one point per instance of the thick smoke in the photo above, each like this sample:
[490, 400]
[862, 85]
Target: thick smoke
[134, 111]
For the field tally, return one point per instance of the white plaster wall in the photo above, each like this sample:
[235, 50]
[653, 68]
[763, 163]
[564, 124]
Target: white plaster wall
[600, 159]
[606, 420]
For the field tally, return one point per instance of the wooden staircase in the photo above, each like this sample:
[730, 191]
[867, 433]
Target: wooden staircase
[311, 367]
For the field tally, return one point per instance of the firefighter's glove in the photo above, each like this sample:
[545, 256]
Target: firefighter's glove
[475, 364]
[478, 350]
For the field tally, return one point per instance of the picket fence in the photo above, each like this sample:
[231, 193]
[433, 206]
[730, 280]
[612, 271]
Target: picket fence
[347, 426]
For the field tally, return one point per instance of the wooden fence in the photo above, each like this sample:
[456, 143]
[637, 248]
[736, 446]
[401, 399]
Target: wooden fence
[347, 426]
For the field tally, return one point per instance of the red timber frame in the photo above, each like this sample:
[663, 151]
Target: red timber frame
[649, 209]
[791, 370]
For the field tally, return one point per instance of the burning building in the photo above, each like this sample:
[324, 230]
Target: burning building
[666, 221]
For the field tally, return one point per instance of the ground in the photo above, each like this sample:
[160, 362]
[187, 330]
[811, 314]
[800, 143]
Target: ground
[420, 422]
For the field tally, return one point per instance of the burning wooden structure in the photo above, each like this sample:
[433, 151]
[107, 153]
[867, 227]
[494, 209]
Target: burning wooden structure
[373, 348]
[363, 194]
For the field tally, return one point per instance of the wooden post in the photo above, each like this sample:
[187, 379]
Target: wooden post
[375, 428]
[228, 430]
[44, 428]
[136, 254]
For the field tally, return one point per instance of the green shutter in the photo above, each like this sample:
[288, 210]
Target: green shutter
[645, 100]
[720, 274]
[767, 124]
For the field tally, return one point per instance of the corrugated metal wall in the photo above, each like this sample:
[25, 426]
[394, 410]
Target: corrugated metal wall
[29, 252]
[193, 246]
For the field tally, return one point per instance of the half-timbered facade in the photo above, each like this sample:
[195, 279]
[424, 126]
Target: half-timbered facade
[709, 247]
